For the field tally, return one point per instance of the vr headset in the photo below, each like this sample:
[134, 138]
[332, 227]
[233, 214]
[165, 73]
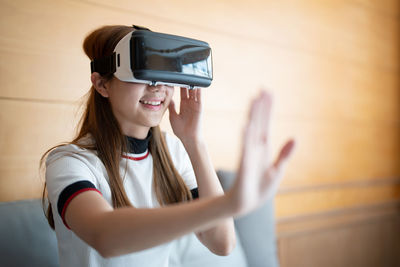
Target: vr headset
[143, 56]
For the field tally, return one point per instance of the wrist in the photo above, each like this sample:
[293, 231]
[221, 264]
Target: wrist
[230, 204]
[193, 143]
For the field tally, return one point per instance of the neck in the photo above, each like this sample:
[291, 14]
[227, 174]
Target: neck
[139, 132]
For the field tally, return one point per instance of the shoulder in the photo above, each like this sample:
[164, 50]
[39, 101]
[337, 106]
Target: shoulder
[71, 163]
[72, 152]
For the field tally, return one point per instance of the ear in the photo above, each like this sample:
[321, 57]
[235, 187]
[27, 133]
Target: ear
[99, 84]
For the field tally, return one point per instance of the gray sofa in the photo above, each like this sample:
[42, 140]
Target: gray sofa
[27, 240]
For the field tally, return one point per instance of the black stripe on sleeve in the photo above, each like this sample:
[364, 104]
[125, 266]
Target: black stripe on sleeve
[70, 191]
[195, 193]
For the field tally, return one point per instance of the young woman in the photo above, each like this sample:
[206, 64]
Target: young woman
[122, 190]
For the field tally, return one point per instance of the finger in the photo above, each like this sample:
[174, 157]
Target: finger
[284, 155]
[172, 110]
[184, 93]
[252, 122]
[192, 94]
[246, 138]
[266, 111]
[248, 129]
[259, 120]
[274, 175]
[198, 95]
[254, 109]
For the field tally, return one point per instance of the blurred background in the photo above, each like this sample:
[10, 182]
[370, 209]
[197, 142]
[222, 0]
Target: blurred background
[332, 67]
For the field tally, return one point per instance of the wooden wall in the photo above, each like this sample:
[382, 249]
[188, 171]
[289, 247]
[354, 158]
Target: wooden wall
[333, 67]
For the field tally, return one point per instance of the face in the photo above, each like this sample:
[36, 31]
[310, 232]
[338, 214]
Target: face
[138, 107]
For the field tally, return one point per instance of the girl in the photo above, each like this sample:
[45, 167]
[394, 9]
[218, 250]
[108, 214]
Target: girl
[122, 190]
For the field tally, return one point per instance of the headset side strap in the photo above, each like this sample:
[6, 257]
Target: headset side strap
[105, 65]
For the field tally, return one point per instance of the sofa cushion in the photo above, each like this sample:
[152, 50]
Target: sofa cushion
[255, 230]
[256, 241]
[26, 238]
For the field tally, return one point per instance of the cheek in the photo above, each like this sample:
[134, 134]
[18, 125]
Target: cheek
[124, 100]
[117, 101]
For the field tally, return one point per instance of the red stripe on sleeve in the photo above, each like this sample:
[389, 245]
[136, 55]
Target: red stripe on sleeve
[72, 197]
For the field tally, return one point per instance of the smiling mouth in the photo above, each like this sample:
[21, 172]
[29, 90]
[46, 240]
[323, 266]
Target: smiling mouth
[152, 103]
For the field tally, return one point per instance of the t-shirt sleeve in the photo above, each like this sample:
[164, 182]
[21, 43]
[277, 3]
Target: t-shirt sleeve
[67, 175]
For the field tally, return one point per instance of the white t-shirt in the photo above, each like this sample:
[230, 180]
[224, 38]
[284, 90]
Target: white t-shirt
[72, 170]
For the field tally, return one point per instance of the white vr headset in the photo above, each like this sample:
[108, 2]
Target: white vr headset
[143, 56]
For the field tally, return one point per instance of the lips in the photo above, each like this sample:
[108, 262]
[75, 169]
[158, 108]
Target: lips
[153, 103]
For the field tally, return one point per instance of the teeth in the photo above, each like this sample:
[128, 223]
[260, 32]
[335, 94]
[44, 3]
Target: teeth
[153, 103]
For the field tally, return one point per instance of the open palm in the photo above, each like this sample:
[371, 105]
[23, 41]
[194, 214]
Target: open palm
[258, 178]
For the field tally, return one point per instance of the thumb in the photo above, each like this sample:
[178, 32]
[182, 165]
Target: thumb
[284, 155]
[172, 110]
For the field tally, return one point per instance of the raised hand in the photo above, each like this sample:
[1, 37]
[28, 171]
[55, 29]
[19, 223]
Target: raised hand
[187, 124]
[257, 177]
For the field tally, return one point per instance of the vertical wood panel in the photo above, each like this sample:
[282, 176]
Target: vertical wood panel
[27, 130]
[333, 67]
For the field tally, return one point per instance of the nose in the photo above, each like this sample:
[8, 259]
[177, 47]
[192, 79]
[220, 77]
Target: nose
[157, 88]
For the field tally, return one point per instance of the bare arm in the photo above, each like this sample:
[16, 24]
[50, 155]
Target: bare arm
[220, 239]
[114, 232]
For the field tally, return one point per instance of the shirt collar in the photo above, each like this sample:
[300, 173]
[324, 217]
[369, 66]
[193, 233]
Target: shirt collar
[138, 146]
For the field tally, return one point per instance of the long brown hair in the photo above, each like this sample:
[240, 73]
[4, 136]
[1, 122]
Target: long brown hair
[109, 142]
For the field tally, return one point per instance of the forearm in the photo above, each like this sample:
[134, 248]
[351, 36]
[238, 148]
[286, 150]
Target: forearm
[128, 230]
[221, 237]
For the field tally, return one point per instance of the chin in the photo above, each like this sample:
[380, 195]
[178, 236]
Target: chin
[153, 124]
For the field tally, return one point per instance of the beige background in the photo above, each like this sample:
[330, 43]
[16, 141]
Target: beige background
[332, 66]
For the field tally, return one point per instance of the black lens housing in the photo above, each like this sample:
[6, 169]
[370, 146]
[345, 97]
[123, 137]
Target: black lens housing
[159, 57]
